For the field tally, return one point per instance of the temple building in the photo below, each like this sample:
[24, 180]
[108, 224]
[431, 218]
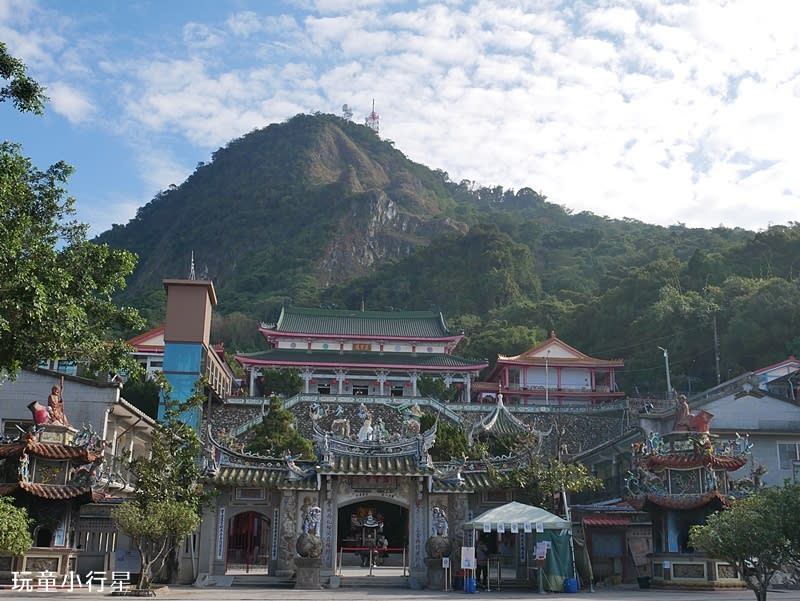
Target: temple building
[679, 478]
[552, 373]
[362, 353]
[64, 475]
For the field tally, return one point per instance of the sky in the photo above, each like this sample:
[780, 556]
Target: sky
[664, 111]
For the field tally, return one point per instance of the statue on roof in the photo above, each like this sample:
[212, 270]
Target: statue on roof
[685, 421]
[56, 403]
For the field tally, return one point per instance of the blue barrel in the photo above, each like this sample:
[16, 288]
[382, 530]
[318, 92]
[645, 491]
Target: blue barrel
[571, 585]
[470, 586]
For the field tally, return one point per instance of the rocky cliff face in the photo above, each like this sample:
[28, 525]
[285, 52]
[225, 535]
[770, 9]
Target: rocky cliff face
[375, 229]
[316, 196]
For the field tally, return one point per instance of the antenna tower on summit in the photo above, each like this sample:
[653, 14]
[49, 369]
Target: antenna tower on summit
[373, 121]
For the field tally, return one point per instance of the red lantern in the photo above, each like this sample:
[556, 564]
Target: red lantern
[312, 381]
[346, 383]
[408, 384]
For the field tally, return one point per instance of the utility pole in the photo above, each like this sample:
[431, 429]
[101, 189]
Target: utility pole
[666, 367]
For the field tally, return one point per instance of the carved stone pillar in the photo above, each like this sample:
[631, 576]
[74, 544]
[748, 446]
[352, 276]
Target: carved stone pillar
[288, 533]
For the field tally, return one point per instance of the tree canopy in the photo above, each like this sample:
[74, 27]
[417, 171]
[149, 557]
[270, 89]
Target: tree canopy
[759, 535]
[15, 534]
[276, 435]
[56, 287]
[25, 93]
[169, 494]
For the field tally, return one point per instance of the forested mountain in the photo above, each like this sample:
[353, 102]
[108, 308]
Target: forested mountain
[319, 210]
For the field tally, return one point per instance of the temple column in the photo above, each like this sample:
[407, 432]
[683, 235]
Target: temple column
[288, 533]
[414, 377]
[467, 388]
[381, 380]
[340, 376]
[306, 374]
[253, 381]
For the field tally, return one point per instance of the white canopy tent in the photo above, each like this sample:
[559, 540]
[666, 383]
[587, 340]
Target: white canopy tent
[517, 513]
[523, 519]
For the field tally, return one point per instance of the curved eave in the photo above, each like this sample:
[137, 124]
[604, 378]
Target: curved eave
[247, 476]
[244, 360]
[730, 464]
[666, 501]
[268, 333]
[473, 482]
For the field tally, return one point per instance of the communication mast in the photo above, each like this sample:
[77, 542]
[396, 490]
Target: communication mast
[373, 121]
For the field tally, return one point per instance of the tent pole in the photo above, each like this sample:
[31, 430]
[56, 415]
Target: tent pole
[568, 517]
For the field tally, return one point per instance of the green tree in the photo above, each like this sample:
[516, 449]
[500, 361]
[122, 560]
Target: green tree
[24, 92]
[451, 442]
[540, 481]
[15, 534]
[55, 286]
[276, 434]
[280, 381]
[169, 494]
[750, 536]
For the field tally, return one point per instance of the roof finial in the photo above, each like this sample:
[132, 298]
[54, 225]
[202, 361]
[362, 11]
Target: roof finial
[191, 269]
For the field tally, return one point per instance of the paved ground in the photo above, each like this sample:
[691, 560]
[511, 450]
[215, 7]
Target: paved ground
[188, 593]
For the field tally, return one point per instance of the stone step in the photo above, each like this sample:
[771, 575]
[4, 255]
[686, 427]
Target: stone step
[262, 580]
[373, 582]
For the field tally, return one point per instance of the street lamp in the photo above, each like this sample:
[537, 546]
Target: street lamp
[666, 367]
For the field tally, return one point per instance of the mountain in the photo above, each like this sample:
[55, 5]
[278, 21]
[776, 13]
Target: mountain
[286, 210]
[320, 210]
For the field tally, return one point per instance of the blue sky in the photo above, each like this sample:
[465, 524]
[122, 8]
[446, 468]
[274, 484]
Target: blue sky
[678, 111]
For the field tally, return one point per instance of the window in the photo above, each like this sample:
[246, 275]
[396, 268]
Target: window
[788, 452]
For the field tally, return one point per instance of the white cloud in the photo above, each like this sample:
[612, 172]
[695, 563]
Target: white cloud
[74, 104]
[197, 35]
[687, 110]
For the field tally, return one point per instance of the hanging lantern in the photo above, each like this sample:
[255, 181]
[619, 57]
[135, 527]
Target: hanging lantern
[312, 381]
[408, 384]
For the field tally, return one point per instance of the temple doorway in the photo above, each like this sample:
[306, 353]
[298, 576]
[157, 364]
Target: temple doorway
[248, 544]
[376, 530]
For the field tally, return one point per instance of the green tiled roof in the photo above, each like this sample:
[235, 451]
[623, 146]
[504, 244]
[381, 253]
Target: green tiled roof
[360, 465]
[248, 476]
[337, 322]
[350, 358]
[473, 482]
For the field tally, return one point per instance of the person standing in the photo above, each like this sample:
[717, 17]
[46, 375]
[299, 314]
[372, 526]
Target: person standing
[482, 561]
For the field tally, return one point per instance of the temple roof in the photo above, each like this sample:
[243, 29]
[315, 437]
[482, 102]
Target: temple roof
[500, 422]
[335, 322]
[47, 450]
[690, 501]
[555, 353]
[248, 476]
[48, 491]
[349, 359]
[359, 465]
[730, 464]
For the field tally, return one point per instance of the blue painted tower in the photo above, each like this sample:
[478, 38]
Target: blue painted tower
[186, 340]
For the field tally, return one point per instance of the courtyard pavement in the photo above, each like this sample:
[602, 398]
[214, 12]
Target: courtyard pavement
[188, 593]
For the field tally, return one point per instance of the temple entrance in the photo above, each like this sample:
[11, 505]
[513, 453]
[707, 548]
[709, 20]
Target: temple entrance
[248, 544]
[373, 530]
